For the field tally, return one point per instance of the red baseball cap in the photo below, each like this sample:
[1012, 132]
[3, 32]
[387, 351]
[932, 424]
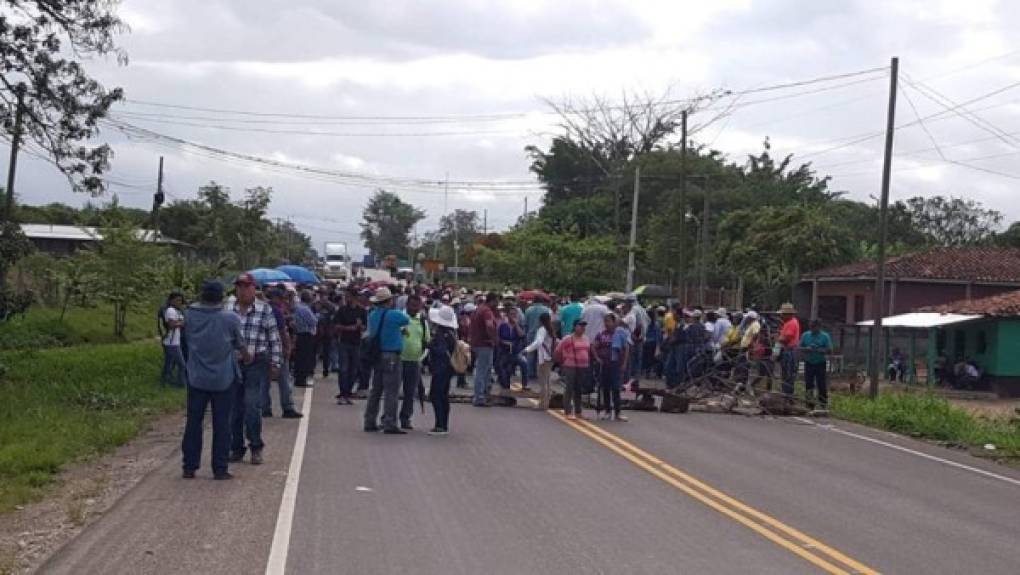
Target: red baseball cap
[245, 279]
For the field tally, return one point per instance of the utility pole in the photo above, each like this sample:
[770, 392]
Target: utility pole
[157, 201]
[702, 264]
[525, 207]
[878, 307]
[683, 204]
[485, 222]
[15, 145]
[633, 230]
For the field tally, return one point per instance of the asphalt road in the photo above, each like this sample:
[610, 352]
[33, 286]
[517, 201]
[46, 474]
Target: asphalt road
[522, 491]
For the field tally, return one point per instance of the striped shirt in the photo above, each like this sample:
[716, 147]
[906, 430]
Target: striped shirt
[259, 331]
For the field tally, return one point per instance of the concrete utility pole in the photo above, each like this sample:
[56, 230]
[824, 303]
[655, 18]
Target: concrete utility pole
[683, 205]
[703, 263]
[525, 207]
[633, 230]
[878, 304]
[15, 145]
[157, 201]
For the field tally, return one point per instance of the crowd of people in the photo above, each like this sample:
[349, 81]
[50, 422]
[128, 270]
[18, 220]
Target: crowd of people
[378, 340]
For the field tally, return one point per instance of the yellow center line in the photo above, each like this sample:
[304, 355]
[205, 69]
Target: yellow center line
[795, 541]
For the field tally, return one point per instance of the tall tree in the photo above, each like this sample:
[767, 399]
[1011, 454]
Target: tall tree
[952, 221]
[388, 223]
[62, 104]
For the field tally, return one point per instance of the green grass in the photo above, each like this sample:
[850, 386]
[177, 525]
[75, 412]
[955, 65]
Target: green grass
[60, 405]
[41, 327]
[931, 417]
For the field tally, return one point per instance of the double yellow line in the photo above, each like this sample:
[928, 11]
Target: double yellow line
[808, 548]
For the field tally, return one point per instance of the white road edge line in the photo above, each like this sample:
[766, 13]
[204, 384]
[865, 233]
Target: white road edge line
[921, 454]
[277, 564]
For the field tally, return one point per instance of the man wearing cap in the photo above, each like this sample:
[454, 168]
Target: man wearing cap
[215, 336]
[349, 324]
[385, 326]
[173, 358]
[789, 339]
[261, 337]
[306, 326]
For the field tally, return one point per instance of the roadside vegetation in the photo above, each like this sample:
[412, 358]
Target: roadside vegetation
[61, 405]
[930, 416]
[43, 327]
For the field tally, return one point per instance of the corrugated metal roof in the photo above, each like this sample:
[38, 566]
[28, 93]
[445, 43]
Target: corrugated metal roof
[921, 319]
[82, 233]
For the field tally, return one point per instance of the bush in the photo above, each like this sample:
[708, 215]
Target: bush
[64, 404]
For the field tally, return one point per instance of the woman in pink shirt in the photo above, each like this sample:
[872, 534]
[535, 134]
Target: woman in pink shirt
[573, 353]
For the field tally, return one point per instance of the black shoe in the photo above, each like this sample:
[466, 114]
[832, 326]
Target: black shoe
[223, 476]
[188, 474]
[267, 413]
[438, 431]
[302, 385]
[372, 428]
[480, 404]
[236, 457]
[338, 396]
[256, 457]
[406, 425]
[291, 414]
[394, 431]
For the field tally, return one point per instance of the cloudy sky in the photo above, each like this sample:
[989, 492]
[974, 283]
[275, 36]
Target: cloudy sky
[309, 73]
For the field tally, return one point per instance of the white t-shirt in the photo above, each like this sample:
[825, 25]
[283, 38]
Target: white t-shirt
[173, 335]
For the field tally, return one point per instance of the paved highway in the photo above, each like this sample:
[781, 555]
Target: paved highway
[523, 491]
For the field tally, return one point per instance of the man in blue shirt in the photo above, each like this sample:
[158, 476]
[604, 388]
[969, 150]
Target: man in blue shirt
[305, 325]
[570, 313]
[815, 344]
[215, 337]
[386, 325]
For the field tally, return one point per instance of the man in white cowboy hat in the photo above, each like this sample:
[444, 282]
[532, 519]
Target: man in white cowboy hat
[385, 334]
[789, 339]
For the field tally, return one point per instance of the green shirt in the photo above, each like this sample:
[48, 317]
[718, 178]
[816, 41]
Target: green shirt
[415, 340]
[822, 342]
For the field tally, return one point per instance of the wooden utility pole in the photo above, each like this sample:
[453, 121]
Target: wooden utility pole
[683, 206]
[878, 303]
[15, 145]
[633, 230]
[485, 222]
[703, 260]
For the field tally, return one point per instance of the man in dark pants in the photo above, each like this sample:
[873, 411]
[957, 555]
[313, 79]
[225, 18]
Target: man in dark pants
[215, 336]
[416, 339]
[265, 354]
[305, 327]
[348, 324]
[385, 326]
[815, 345]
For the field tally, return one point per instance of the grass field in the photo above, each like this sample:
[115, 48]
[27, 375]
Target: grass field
[63, 404]
[931, 417]
[41, 327]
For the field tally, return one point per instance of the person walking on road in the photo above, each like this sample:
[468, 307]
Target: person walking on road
[386, 336]
[789, 339]
[544, 345]
[173, 357]
[305, 329]
[276, 302]
[815, 345]
[215, 336]
[441, 349]
[573, 354]
[611, 349]
[483, 342]
[416, 339]
[349, 323]
[265, 355]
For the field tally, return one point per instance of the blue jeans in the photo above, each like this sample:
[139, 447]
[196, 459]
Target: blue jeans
[483, 367]
[385, 386]
[636, 360]
[350, 367]
[246, 420]
[173, 358]
[788, 366]
[610, 383]
[672, 366]
[191, 445]
[286, 401]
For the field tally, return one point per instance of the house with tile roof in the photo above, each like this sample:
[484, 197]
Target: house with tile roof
[845, 294]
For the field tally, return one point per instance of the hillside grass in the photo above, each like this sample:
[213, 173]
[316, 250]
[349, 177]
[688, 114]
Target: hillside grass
[65, 404]
[930, 416]
[41, 327]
